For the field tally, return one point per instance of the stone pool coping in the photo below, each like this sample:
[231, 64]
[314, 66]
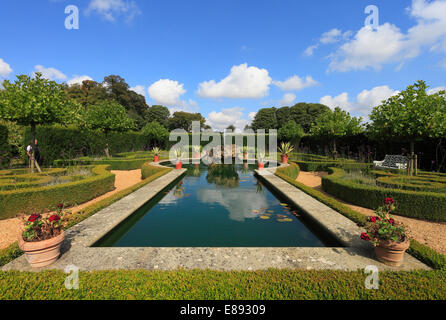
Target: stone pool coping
[77, 250]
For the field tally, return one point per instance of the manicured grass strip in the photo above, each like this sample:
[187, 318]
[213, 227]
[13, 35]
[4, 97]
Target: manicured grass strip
[422, 252]
[270, 284]
[12, 252]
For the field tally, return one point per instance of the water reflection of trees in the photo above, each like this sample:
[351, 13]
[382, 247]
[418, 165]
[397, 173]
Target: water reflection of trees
[223, 175]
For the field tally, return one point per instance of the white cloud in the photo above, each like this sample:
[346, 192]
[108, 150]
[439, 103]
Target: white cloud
[287, 99]
[78, 80]
[295, 83]
[242, 83]
[371, 49]
[49, 73]
[331, 36]
[310, 50]
[5, 69]
[110, 9]
[167, 92]
[252, 115]
[368, 99]
[139, 90]
[225, 118]
[365, 100]
[435, 90]
[338, 101]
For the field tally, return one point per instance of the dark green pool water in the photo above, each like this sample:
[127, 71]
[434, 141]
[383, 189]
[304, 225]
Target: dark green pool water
[216, 206]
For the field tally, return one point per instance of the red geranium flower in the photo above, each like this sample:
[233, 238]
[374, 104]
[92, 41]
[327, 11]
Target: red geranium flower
[389, 201]
[60, 205]
[391, 221]
[33, 217]
[365, 236]
[54, 218]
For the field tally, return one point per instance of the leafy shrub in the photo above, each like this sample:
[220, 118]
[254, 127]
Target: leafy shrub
[423, 205]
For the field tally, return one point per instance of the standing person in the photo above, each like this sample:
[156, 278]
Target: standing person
[37, 156]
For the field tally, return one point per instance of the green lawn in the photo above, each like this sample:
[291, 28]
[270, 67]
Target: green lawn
[263, 285]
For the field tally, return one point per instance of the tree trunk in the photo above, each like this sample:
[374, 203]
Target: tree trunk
[33, 146]
[107, 151]
[335, 152]
[412, 158]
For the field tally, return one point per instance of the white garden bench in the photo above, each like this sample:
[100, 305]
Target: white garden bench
[392, 162]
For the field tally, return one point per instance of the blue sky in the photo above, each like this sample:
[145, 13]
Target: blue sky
[228, 58]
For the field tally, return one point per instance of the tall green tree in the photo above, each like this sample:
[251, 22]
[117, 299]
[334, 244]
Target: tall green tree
[335, 124]
[108, 116]
[156, 134]
[291, 132]
[283, 115]
[36, 101]
[305, 114]
[410, 116]
[159, 114]
[265, 119]
[183, 120]
[87, 93]
[135, 104]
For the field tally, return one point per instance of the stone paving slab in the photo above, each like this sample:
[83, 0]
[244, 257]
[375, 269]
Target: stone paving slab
[223, 259]
[77, 250]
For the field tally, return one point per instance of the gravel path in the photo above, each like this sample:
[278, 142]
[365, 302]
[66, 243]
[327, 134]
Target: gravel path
[432, 234]
[11, 228]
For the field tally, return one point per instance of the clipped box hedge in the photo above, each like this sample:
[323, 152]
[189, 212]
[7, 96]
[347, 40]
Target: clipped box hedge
[291, 171]
[15, 179]
[113, 163]
[311, 166]
[413, 204]
[122, 161]
[42, 199]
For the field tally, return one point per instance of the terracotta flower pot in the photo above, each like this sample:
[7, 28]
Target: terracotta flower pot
[261, 166]
[179, 165]
[284, 159]
[156, 158]
[42, 253]
[391, 253]
[245, 156]
[197, 156]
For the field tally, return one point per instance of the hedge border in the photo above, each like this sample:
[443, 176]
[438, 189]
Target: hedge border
[311, 166]
[12, 252]
[413, 204]
[292, 170]
[41, 199]
[420, 251]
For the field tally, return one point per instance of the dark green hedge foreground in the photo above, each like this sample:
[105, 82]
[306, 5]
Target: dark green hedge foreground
[262, 285]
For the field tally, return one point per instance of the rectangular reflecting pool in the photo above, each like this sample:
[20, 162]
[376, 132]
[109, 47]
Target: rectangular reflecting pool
[217, 206]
